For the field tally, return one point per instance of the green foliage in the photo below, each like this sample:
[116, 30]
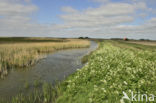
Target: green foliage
[110, 71]
[37, 83]
[47, 92]
[26, 85]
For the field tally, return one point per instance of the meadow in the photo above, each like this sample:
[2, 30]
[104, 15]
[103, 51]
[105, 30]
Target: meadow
[24, 52]
[116, 66]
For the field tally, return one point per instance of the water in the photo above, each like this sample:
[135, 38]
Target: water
[54, 67]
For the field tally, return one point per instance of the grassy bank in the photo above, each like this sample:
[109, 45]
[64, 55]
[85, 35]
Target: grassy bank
[85, 58]
[113, 68]
[110, 71]
[24, 54]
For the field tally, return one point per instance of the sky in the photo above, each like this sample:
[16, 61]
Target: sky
[134, 19]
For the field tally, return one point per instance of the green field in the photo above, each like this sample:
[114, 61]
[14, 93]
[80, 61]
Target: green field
[116, 66]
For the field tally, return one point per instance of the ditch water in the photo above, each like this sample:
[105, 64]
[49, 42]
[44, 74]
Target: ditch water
[55, 67]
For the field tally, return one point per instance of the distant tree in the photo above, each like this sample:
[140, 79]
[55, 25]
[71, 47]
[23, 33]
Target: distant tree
[144, 40]
[126, 39]
[81, 38]
[116, 39]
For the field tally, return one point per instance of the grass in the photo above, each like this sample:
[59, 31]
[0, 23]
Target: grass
[86, 57]
[137, 46]
[150, 43]
[113, 68]
[28, 39]
[46, 94]
[24, 54]
[110, 71]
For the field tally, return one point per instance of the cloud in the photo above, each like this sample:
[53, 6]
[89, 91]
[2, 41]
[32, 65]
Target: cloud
[146, 30]
[105, 15]
[101, 1]
[141, 5]
[28, 1]
[112, 9]
[16, 18]
[107, 21]
[69, 9]
[10, 9]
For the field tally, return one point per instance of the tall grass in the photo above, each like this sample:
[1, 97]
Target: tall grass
[46, 94]
[21, 55]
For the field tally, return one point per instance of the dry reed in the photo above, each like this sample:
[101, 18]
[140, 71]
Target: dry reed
[21, 55]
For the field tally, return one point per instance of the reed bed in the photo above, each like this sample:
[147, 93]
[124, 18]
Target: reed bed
[19, 55]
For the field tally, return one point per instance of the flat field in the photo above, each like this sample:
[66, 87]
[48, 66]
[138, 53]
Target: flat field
[150, 43]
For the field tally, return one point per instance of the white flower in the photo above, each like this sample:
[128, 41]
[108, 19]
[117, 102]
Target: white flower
[104, 90]
[122, 101]
[90, 100]
[125, 83]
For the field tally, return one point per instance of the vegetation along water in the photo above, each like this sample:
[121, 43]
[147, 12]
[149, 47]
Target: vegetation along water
[115, 67]
[24, 52]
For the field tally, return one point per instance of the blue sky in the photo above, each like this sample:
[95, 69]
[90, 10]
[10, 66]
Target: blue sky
[74, 18]
[49, 10]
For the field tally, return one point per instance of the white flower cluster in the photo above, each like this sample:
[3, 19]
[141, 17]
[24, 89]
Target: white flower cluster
[112, 70]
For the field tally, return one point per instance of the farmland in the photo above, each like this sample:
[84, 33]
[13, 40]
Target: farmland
[24, 52]
[113, 68]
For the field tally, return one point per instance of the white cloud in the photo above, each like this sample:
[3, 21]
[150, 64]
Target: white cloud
[16, 18]
[7, 8]
[69, 9]
[28, 1]
[101, 1]
[112, 9]
[141, 5]
[108, 20]
[105, 15]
